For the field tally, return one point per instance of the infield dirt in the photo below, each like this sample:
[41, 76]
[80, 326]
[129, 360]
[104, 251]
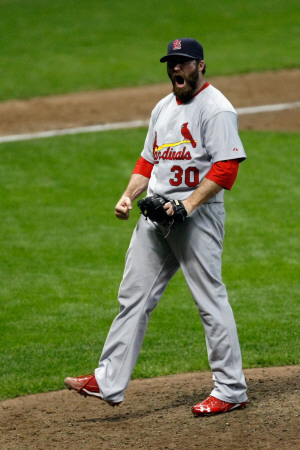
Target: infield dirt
[156, 412]
[121, 105]
[156, 415]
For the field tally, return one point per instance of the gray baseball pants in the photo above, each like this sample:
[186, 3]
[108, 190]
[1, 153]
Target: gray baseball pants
[195, 246]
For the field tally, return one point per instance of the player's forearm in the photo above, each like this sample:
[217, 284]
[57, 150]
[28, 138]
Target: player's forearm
[136, 186]
[204, 192]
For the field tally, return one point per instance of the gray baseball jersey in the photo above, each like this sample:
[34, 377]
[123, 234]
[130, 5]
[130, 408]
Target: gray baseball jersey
[184, 140]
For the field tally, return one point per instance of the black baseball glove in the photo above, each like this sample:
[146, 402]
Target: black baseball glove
[153, 208]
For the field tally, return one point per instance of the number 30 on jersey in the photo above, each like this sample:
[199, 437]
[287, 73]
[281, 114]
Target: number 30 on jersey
[189, 176]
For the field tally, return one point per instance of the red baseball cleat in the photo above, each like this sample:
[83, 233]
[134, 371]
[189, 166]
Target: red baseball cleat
[212, 405]
[86, 385]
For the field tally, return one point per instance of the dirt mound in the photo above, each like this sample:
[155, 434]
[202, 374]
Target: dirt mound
[156, 415]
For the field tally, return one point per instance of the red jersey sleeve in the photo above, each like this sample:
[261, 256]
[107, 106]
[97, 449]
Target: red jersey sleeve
[224, 173]
[143, 167]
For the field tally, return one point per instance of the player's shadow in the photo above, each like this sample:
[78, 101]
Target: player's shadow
[182, 400]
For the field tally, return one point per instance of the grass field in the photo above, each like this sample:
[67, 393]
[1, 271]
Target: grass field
[62, 256]
[62, 250]
[75, 45]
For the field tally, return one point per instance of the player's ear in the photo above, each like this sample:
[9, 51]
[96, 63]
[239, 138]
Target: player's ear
[201, 65]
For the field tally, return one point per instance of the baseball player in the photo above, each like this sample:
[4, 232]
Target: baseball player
[191, 154]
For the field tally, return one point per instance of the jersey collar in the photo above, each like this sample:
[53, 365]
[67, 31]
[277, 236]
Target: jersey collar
[179, 102]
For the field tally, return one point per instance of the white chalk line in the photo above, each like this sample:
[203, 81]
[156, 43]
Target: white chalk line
[133, 124]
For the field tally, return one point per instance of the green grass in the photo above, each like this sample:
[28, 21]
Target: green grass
[261, 255]
[51, 47]
[62, 257]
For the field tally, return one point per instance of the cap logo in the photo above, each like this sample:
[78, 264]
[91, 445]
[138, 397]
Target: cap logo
[177, 45]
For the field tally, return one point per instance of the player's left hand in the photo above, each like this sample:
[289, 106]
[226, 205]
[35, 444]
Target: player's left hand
[169, 208]
[177, 209]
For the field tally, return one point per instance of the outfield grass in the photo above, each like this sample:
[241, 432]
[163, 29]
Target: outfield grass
[62, 257]
[51, 47]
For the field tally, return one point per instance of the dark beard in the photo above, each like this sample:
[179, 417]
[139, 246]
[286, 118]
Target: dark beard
[185, 93]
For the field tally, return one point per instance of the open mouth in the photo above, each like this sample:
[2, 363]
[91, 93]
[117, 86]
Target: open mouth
[180, 81]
